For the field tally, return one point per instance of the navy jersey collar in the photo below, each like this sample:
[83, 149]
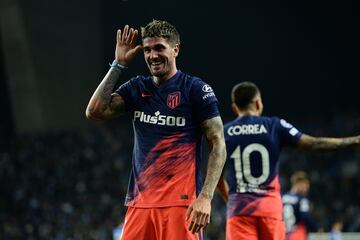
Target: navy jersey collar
[167, 82]
[244, 116]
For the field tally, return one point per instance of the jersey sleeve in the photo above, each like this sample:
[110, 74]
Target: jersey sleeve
[126, 92]
[304, 205]
[304, 215]
[289, 135]
[204, 101]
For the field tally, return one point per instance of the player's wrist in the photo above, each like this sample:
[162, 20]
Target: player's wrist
[118, 66]
[206, 195]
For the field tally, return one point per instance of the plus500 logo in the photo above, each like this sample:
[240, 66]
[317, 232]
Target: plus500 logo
[159, 119]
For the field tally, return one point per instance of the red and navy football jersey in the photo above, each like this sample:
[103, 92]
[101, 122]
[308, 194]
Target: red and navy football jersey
[253, 146]
[166, 155]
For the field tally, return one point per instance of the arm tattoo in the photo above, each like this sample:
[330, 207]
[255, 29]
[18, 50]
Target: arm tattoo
[328, 144]
[117, 105]
[334, 143]
[106, 87]
[213, 131]
[104, 104]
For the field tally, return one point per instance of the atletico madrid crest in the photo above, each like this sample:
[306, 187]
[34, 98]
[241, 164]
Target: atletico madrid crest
[173, 100]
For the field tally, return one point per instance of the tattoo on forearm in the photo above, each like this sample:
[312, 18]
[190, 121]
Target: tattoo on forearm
[321, 144]
[117, 106]
[334, 143]
[213, 130]
[107, 86]
[214, 169]
[105, 104]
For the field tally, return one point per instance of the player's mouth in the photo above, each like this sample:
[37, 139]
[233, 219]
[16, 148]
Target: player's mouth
[156, 63]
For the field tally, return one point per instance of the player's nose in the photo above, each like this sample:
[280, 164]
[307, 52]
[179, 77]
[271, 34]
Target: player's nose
[154, 54]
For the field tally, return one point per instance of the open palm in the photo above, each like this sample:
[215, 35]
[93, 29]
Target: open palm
[126, 47]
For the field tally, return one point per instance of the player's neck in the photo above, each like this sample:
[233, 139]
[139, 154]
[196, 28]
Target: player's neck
[247, 112]
[250, 110]
[160, 80]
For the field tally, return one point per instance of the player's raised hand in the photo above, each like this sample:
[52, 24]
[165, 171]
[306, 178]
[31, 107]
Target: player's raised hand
[199, 211]
[126, 47]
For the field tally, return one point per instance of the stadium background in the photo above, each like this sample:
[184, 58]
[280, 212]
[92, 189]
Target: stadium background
[63, 177]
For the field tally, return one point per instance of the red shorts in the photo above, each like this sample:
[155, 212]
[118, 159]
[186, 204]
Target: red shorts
[254, 228]
[157, 224]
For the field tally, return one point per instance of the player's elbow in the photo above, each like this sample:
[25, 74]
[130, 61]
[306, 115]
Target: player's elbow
[93, 115]
[90, 115]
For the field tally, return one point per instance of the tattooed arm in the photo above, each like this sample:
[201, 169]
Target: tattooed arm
[214, 134]
[327, 144]
[223, 188]
[105, 104]
[201, 207]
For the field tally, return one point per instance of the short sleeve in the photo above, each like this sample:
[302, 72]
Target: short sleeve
[208, 112]
[289, 135]
[125, 91]
[204, 101]
[304, 205]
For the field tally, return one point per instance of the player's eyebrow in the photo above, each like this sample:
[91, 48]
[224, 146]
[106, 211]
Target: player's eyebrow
[157, 46]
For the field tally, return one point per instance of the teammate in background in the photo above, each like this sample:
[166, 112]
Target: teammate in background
[296, 208]
[336, 228]
[253, 143]
[171, 110]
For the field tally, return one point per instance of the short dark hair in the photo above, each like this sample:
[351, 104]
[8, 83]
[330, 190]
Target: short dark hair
[244, 93]
[159, 28]
[299, 176]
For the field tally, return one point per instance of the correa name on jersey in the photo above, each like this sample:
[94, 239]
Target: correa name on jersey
[159, 119]
[247, 129]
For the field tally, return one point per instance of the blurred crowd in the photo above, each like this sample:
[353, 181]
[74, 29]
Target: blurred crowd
[335, 178]
[64, 185]
[72, 185]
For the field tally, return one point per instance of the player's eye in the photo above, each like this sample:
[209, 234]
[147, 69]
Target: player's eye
[159, 47]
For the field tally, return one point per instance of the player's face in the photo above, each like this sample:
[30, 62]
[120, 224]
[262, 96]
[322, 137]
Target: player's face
[304, 187]
[160, 56]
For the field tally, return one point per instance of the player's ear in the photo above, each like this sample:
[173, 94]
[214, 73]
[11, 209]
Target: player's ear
[235, 109]
[258, 104]
[176, 50]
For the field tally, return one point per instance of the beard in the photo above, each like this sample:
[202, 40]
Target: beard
[163, 69]
[161, 72]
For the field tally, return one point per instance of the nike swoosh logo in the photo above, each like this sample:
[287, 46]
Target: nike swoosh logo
[145, 95]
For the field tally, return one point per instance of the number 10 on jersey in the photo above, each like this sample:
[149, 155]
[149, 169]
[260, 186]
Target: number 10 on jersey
[246, 181]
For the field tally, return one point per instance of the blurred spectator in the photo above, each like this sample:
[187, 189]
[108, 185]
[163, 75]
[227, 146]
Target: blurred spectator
[117, 231]
[336, 228]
